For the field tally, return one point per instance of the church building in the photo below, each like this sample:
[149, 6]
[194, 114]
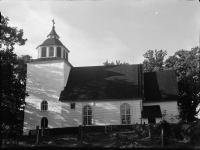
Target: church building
[61, 95]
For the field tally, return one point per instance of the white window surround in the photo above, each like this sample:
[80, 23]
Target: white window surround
[52, 49]
[44, 122]
[87, 115]
[42, 50]
[125, 113]
[44, 105]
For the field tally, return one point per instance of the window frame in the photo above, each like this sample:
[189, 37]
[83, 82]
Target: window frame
[125, 117]
[44, 105]
[73, 105]
[42, 49]
[50, 51]
[57, 49]
[87, 116]
[44, 122]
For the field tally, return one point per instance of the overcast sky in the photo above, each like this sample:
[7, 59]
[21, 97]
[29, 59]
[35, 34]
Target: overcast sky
[96, 31]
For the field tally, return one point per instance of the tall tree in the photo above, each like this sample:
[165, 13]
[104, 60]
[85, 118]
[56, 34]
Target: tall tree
[186, 65]
[116, 63]
[13, 78]
[154, 60]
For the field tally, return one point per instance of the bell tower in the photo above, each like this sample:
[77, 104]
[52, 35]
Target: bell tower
[46, 78]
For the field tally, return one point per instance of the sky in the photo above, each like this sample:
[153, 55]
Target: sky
[96, 31]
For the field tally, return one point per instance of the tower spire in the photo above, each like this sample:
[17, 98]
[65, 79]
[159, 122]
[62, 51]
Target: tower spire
[53, 33]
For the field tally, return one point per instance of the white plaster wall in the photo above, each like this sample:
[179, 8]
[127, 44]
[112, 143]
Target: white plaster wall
[170, 107]
[66, 73]
[198, 115]
[103, 113]
[71, 117]
[45, 81]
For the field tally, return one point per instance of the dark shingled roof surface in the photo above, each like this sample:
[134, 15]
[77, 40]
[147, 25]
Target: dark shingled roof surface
[101, 83]
[52, 41]
[151, 111]
[53, 32]
[160, 86]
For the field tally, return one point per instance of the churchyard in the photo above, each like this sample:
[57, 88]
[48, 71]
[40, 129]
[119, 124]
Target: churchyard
[162, 135]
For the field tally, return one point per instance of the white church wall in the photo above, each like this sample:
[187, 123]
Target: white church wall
[66, 73]
[71, 117]
[198, 115]
[45, 81]
[103, 112]
[106, 113]
[170, 107]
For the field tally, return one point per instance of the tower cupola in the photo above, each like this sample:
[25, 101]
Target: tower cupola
[52, 46]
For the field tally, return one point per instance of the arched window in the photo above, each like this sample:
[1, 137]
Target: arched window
[58, 52]
[44, 52]
[44, 122]
[87, 115]
[125, 113]
[51, 51]
[44, 106]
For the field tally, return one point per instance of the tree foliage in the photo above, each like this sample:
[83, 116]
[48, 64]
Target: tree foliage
[116, 63]
[13, 77]
[185, 63]
[154, 60]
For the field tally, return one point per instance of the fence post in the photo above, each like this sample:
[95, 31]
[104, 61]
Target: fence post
[37, 134]
[117, 140]
[80, 133]
[149, 128]
[42, 131]
[162, 136]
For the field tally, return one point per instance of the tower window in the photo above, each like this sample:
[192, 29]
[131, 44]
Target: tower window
[58, 52]
[63, 53]
[44, 52]
[44, 106]
[51, 51]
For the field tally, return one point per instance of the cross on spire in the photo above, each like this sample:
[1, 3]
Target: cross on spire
[53, 22]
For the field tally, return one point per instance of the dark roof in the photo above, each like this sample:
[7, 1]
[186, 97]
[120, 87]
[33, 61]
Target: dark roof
[49, 59]
[101, 83]
[53, 32]
[51, 41]
[151, 111]
[160, 86]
